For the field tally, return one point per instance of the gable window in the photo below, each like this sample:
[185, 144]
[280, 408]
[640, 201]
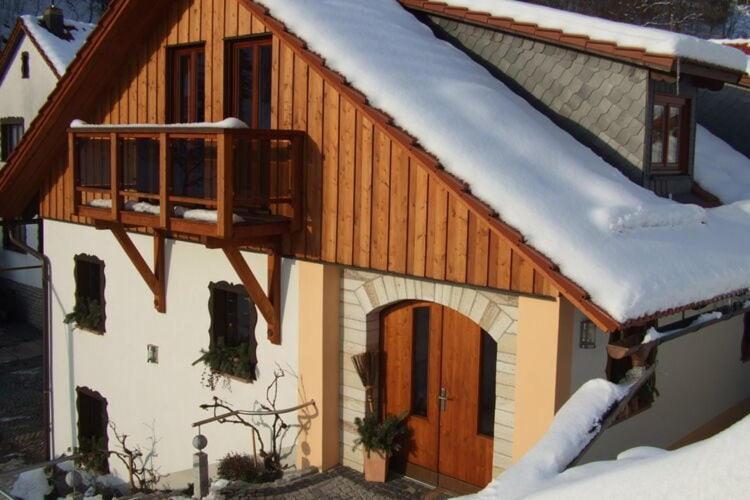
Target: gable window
[250, 81]
[88, 312]
[670, 135]
[11, 131]
[187, 84]
[233, 321]
[19, 233]
[24, 65]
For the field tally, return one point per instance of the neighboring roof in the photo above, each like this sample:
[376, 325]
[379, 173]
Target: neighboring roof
[634, 253]
[742, 44]
[58, 51]
[714, 468]
[725, 114]
[637, 44]
[719, 168]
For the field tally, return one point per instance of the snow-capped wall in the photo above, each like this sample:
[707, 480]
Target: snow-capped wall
[166, 396]
[698, 377]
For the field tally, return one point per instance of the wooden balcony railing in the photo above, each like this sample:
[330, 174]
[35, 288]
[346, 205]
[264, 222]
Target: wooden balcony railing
[219, 183]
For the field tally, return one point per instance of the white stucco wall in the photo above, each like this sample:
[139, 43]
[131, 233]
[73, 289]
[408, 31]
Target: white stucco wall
[164, 396]
[9, 259]
[23, 98]
[699, 376]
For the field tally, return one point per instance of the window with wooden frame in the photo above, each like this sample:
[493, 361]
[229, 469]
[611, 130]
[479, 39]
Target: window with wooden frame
[11, 131]
[487, 385]
[187, 84]
[233, 321]
[249, 81]
[19, 233]
[670, 135]
[93, 421]
[89, 309]
[25, 65]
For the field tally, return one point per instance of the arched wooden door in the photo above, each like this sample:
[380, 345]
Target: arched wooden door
[439, 367]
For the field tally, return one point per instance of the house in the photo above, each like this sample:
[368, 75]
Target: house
[34, 59]
[483, 198]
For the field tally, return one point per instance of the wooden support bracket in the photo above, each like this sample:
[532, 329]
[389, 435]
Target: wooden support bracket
[156, 279]
[268, 305]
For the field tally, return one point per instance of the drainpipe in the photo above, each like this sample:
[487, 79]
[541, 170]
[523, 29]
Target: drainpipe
[46, 328]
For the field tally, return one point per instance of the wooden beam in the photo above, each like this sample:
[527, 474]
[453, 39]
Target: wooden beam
[224, 186]
[154, 280]
[274, 294]
[114, 175]
[265, 304]
[164, 179]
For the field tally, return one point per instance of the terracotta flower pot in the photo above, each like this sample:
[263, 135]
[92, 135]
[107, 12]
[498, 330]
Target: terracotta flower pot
[376, 466]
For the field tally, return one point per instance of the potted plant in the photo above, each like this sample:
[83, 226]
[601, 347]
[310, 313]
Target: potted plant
[87, 314]
[379, 440]
[236, 361]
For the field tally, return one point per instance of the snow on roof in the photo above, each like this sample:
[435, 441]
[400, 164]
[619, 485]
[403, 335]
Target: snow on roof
[635, 253]
[652, 40]
[714, 468]
[227, 123]
[722, 170]
[59, 51]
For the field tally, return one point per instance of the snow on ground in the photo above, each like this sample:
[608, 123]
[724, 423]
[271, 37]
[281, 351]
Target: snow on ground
[571, 205]
[60, 52]
[652, 40]
[574, 426]
[715, 468]
[722, 170]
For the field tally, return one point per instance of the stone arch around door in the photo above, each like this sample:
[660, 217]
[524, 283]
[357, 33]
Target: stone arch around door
[365, 295]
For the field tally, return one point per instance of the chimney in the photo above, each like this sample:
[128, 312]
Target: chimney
[53, 20]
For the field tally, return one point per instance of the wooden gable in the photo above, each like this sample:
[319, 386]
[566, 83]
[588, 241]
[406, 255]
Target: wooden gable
[372, 197]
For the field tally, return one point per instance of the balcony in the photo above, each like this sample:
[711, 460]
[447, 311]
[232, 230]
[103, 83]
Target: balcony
[214, 183]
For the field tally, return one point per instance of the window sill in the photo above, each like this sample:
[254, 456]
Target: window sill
[89, 330]
[236, 378]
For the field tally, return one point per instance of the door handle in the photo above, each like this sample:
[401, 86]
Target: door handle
[442, 398]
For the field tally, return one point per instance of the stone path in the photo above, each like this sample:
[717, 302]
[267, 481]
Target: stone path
[337, 483]
[21, 410]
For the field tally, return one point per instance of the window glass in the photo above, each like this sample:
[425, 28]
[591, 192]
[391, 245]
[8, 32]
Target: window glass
[673, 129]
[89, 279]
[183, 110]
[200, 84]
[657, 144]
[487, 376]
[10, 135]
[264, 104]
[245, 84]
[420, 360]
[24, 65]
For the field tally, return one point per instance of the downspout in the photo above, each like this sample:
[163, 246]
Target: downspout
[46, 328]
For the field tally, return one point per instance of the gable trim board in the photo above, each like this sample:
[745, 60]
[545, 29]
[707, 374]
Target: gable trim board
[633, 55]
[57, 114]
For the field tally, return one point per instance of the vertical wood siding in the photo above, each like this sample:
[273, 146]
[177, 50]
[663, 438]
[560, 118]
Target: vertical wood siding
[368, 201]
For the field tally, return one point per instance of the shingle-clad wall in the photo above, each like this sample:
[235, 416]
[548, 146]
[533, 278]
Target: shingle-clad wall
[725, 114]
[365, 294]
[601, 102]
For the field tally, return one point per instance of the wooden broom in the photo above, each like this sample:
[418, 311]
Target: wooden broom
[366, 364]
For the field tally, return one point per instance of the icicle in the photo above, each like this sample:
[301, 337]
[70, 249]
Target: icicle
[679, 67]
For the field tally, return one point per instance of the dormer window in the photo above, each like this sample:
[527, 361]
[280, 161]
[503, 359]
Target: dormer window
[670, 135]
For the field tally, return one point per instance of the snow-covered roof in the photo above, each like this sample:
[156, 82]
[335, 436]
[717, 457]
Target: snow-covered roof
[721, 169]
[59, 51]
[635, 254]
[714, 468]
[655, 41]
